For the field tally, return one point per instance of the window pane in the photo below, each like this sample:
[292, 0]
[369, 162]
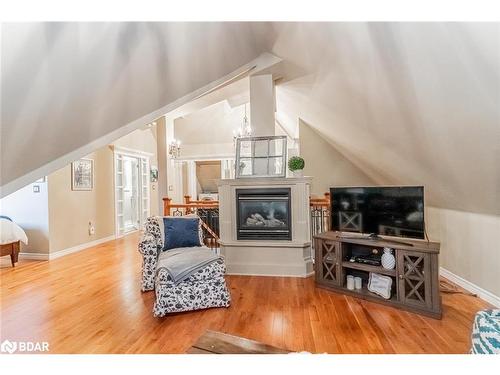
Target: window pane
[261, 148]
[276, 147]
[275, 166]
[260, 167]
[245, 149]
[245, 166]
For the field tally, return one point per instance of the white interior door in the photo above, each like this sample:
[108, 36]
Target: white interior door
[132, 191]
[131, 203]
[144, 189]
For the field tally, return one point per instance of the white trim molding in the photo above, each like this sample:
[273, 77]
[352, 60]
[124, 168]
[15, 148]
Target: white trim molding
[69, 250]
[81, 247]
[34, 256]
[130, 151]
[215, 157]
[470, 287]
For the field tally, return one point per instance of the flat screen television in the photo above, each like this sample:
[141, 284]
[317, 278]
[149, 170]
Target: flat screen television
[391, 211]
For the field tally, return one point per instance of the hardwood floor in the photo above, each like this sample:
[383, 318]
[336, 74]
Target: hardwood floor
[90, 302]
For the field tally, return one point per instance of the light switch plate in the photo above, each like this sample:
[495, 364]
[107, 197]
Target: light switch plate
[36, 188]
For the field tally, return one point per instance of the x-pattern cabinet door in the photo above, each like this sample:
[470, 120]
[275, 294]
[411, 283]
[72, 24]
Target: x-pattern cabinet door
[414, 279]
[329, 263]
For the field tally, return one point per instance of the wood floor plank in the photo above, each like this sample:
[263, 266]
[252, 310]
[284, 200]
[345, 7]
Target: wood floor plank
[90, 302]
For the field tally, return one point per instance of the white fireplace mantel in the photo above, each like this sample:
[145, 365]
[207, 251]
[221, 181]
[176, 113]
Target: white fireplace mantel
[267, 257]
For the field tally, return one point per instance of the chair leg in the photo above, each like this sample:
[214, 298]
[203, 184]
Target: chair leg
[13, 259]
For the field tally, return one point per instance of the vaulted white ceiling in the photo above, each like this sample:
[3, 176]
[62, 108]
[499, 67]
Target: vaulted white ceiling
[64, 85]
[408, 103]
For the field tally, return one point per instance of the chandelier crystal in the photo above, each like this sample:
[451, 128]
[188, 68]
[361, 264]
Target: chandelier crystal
[245, 130]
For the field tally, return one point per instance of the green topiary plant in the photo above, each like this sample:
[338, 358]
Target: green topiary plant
[296, 163]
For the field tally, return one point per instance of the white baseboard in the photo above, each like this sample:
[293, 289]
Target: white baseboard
[81, 247]
[473, 288]
[34, 256]
[70, 250]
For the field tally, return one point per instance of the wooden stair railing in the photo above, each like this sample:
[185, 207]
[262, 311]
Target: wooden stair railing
[170, 209]
[319, 211]
[325, 201]
[188, 200]
[190, 207]
[320, 214]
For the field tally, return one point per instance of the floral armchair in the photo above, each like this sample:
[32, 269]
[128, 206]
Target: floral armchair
[204, 289]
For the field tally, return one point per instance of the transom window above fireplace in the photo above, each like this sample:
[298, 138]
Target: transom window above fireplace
[263, 214]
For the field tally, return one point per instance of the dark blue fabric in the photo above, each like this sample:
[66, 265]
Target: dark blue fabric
[181, 232]
[5, 217]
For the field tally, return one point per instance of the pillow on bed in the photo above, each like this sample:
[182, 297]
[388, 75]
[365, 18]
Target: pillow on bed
[181, 232]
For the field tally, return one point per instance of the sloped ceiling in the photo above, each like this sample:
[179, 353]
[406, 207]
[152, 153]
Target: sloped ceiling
[66, 84]
[408, 103]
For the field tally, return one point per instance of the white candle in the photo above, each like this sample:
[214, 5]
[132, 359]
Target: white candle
[350, 282]
[358, 282]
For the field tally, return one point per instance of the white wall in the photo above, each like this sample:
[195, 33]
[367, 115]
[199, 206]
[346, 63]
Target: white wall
[209, 131]
[30, 211]
[469, 245]
[326, 165]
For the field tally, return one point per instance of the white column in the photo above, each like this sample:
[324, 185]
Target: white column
[161, 150]
[262, 105]
[191, 179]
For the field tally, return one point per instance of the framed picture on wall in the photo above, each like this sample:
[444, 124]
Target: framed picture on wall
[82, 175]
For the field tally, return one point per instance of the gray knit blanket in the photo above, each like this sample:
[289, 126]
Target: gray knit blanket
[183, 262]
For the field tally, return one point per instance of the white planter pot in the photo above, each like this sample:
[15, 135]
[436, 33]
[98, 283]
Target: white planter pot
[299, 173]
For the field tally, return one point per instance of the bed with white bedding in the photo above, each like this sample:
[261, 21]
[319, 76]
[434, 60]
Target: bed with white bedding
[11, 236]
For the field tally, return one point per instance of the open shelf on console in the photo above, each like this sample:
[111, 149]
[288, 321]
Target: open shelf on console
[365, 292]
[365, 276]
[369, 268]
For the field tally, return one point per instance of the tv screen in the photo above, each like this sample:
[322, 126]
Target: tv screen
[391, 211]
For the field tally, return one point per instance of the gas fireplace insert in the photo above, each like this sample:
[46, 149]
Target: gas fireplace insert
[263, 214]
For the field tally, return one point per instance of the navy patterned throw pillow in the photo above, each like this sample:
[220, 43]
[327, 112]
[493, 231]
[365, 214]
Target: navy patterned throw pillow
[181, 232]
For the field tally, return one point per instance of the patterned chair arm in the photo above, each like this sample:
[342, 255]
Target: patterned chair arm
[148, 247]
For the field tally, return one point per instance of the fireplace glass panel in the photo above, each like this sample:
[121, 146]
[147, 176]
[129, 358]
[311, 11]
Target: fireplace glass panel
[264, 214]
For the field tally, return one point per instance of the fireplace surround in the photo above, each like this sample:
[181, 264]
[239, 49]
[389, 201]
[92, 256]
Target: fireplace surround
[263, 214]
[259, 253]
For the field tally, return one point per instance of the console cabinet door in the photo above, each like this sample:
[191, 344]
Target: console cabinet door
[414, 278]
[328, 266]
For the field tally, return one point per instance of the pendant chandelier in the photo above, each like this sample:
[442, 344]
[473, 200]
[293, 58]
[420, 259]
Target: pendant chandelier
[245, 130]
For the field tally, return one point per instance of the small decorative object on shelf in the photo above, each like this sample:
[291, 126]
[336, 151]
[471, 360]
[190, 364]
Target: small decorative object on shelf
[350, 282]
[358, 282]
[388, 259]
[296, 165]
[380, 285]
